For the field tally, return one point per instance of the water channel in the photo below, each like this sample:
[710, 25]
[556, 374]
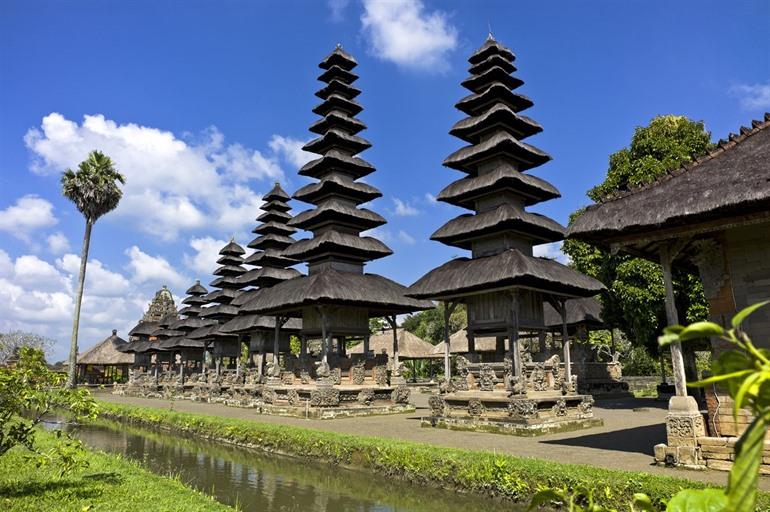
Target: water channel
[268, 483]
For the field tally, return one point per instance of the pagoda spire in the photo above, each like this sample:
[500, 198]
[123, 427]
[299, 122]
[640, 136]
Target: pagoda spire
[227, 286]
[337, 220]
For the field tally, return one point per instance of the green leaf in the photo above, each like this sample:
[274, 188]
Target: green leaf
[545, 496]
[673, 329]
[642, 503]
[719, 378]
[667, 339]
[698, 500]
[745, 389]
[744, 476]
[745, 312]
[700, 330]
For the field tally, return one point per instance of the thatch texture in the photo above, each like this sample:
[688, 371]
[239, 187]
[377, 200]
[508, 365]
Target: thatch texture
[731, 181]
[382, 296]
[245, 323]
[335, 210]
[465, 159]
[107, 352]
[144, 328]
[507, 269]
[585, 310]
[465, 191]
[353, 246]
[410, 346]
[458, 344]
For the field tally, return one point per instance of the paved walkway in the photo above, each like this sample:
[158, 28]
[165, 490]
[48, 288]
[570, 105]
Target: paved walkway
[631, 428]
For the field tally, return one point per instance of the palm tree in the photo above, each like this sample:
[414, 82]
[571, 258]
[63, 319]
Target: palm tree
[95, 191]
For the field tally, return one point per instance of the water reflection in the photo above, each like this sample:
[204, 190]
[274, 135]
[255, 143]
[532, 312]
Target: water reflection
[257, 482]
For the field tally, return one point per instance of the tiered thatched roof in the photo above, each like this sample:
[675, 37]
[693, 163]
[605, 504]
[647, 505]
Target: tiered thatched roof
[500, 232]
[337, 252]
[107, 352]
[585, 310]
[176, 336]
[727, 186]
[228, 284]
[410, 346]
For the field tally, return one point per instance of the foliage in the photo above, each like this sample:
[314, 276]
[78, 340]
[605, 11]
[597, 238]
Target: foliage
[12, 342]
[745, 372]
[488, 473]
[94, 186]
[635, 297]
[377, 324]
[295, 345]
[429, 324]
[110, 482]
[29, 391]
[638, 362]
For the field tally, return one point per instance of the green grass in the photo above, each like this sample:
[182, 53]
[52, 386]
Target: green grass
[110, 483]
[486, 473]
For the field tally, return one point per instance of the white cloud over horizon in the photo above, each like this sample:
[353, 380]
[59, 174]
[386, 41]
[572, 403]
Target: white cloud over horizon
[405, 33]
[752, 96]
[172, 186]
[28, 214]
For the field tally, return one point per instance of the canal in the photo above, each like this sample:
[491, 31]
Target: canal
[255, 481]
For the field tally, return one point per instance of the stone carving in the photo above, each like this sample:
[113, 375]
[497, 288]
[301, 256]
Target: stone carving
[358, 372]
[304, 376]
[538, 378]
[293, 397]
[287, 378]
[269, 395]
[487, 378]
[553, 361]
[445, 387]
[336, 375]
[560, 407]
[522, 408]
[475, 407]
[324, 396]
[586, 406]
[380, 373]
[365, 396]
[162, 306]
[437, 404]
[684, 426]
[400, 395]
[517, 386]
[558, 380]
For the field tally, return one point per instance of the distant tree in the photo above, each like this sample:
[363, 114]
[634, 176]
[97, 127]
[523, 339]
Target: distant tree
[429, 324]
[95, 191]
[635, 297]
[12, 342]
[377, 324]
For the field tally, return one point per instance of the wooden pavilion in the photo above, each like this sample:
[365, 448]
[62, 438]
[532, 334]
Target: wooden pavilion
[711, 216]
[105, 363]
[336, 299]
[502, 285]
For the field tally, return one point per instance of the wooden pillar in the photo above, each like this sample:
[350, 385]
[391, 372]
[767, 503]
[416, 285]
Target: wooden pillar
[394, 326]
[448, 307]
[341, 346]
[302, 345]
[366, 345]
[565, 342]
[471, 341]
[276, 338]
[181, 367]
[324, 338]
[513, 335]
[677, 361]
[543, 345]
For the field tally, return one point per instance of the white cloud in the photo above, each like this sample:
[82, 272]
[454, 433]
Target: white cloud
[154, 270]
[30, 270]
[405, 237]
[58, 243]
[752, 96]
[402, 31]
[337, 8]
[6, 264]
[100, 281]
[28, 214]
[204, 261]
[404, 209]
[551, 251]
[172, 185]
[388, 237]
[291, 150]
[430, 198]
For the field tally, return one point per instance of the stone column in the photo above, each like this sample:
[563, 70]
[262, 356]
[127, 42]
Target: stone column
[565, 343]
[677, 361]
[513, 336]
[395, 378]
[276, 346]
[447, 361]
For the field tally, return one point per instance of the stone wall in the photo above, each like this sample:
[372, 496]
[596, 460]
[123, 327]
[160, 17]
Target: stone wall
[642, 383]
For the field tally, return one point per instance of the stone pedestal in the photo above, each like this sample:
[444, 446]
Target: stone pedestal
[684, 425]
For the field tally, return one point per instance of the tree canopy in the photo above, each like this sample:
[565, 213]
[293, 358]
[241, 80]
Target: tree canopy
[429, 324]
[635, 297]
[94, 186]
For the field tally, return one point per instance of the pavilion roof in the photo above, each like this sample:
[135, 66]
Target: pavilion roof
[410, 346]
[728, 185]
[583, 310]
[507, 269]
[107, 352]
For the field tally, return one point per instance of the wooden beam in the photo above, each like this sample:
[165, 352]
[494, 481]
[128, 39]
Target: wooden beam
[677, 361]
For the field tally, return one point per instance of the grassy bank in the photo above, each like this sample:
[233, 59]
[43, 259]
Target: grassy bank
[470, 471]
[110, 483]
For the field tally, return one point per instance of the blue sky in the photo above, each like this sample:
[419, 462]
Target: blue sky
[204, 104]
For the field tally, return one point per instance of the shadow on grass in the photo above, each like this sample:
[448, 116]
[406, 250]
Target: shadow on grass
[83, 487]
[633, 440]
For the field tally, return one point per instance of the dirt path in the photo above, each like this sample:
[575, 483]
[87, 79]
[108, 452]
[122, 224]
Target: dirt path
[631, 429]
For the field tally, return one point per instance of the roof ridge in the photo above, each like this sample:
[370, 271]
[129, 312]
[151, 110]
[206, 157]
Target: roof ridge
[722, 145]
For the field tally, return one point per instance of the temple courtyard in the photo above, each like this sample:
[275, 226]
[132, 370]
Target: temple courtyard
[631, 428]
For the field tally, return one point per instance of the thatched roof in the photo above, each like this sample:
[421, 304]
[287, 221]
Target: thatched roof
[107, 352]
[352, 246]
[382, 296]
[491, 47]
[245, 323]
[335, 185]
[458, 344]
[338, 57]
[410, 346]
[334, 159]
[730, 183]
[467, 158]
[508, 269]
[462, 230]
[144, 328]
[465, 191]
[335, 210]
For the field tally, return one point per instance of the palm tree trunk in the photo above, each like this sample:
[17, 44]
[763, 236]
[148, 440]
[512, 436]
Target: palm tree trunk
[78, 301]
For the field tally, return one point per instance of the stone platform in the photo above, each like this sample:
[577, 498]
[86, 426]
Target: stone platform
[334, 401]
[524, 415]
